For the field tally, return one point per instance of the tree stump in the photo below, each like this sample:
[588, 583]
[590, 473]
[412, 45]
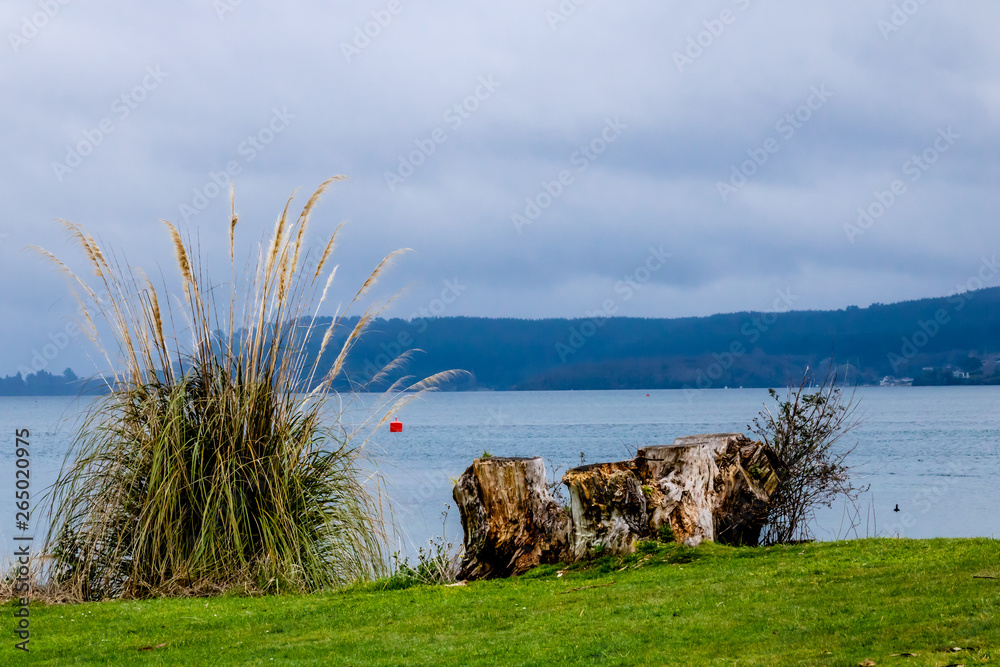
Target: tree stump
[703, 487]
[749, 472]
[714, 486]
[511, 521]
[607, 508]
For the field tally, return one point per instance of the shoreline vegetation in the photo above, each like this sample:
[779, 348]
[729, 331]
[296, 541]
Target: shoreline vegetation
[203, 469]
[885, 601]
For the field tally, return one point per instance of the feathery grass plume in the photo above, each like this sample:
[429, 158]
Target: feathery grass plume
[382, 266]
[327, 251]
[85, 242]
[205, 468]
[303, 221]
[183, 263]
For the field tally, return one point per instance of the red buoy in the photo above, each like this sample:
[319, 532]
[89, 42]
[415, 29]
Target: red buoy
[395, 426]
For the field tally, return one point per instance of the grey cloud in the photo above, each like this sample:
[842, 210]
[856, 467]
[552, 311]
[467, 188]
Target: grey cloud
[656, 185]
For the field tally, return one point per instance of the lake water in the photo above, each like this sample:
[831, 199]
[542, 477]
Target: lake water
[934, 451]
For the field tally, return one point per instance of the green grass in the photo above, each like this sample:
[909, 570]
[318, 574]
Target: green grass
[814, 604]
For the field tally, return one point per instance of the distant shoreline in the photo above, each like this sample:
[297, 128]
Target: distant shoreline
[94, 394]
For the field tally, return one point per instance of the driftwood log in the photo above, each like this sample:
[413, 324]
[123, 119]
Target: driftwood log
[703, 487]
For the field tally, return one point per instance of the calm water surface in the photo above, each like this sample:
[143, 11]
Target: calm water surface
[934, 451]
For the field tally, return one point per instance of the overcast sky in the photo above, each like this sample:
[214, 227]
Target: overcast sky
[540, 158]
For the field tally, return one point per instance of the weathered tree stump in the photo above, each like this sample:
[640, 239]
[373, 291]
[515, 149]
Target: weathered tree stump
[607, 507]
[704, 487]
[511, 521]
[749, 472]
[713, 486]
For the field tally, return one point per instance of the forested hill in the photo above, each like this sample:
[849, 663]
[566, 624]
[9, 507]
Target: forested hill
[933, 341]
[751, 349]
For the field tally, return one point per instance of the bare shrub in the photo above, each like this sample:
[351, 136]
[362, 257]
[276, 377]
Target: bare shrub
[805, 431]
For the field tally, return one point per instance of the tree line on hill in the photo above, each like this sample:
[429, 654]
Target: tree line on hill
[43, 383]
[926, 340]
[923, 339]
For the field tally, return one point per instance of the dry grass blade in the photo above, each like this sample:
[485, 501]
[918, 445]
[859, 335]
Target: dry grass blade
[382, 266]
[232, 221]
[303, 221]
[278, 237]
[327, 251]
[183, 262]
[87, 243]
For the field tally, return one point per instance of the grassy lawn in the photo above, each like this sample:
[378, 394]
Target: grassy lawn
[815, 604]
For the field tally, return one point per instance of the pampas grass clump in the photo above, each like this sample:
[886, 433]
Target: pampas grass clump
[206, 468]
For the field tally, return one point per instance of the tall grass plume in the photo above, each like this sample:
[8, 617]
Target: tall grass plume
[212, 463]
